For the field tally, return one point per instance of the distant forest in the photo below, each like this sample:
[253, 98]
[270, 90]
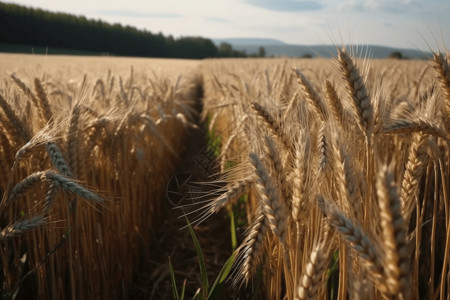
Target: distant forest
[21, 25]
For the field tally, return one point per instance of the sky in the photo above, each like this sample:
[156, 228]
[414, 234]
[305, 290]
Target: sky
[416, 24]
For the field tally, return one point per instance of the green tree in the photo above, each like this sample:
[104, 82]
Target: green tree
[261, 52]
[396, 54]
[225, 50]
[35, 27]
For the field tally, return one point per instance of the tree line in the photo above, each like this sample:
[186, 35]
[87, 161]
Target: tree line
[28, 26]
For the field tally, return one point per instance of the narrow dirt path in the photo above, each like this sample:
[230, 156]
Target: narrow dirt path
[172, 239]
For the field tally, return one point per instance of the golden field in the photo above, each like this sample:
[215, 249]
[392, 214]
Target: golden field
[334, 173]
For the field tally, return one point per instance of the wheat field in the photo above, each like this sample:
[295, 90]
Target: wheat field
[338, 169]
[87, 148]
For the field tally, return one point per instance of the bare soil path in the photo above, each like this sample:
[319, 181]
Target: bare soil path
[171, 237]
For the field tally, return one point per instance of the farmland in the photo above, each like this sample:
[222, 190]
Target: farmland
[325, 178]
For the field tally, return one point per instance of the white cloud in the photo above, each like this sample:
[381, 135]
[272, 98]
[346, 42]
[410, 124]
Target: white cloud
[391, 6]
[286, 5]
[137, 14]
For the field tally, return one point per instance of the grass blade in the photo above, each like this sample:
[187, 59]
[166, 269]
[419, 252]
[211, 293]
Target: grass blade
[202, 264]
[226, 269]
[174, 284]
[182, 290]
[233, 230]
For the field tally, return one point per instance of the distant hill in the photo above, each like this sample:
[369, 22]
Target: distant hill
[280, 49]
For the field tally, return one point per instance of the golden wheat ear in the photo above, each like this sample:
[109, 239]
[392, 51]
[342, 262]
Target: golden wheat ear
[44, 105]
[440, 64]
[271, 122]
[251, 251]
[394, 231]
[312, 278]
[366, 248]
[357, 92]
[276, 162]
[313, 97]
[415, 166]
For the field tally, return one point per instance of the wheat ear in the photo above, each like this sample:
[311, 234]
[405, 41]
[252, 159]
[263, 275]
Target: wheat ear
[269, 195]
[301, 179]
[417, 160]
[324, 148]
[348, 181]
[440, 64]
[71, 187]
[312, 96]
[367, 250]
[16, 129]
[418, 124]
[101, 84]
[234, 191]
[273, 124]
[50, 197]
[20, 227]
[72, 138]
[394, 234]
[335, 104]
[360, 100]
[44, 105]
[275, 159]
[310, 281]
[26, 90]
[26, 184]
[252, 249]
[57, 159]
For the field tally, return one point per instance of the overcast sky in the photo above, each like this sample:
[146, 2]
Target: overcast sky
[398, 23]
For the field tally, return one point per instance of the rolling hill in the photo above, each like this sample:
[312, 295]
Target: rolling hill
[279, 49]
